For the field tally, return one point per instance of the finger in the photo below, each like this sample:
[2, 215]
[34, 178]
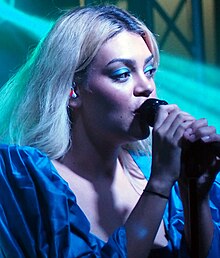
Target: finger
[179, 124]
[180, 131]
[175, 124]
[193, 133]
[199, 123]
[211, 138]
[200, 130]
[205, 133]
[163, 112]
[170, 117]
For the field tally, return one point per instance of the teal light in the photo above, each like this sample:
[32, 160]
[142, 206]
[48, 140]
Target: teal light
[195, 87]
[36, 26]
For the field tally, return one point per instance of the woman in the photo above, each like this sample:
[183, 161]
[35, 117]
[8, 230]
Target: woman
[78, 101]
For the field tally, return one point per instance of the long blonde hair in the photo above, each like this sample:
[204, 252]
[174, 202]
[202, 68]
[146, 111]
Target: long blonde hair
[34, 101]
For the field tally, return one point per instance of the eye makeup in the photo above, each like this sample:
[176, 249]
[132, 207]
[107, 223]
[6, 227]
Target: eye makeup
[121, 74]
[150, 70]
[120, 71]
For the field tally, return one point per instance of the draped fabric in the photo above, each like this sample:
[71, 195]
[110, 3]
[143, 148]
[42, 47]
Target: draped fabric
[39, 215]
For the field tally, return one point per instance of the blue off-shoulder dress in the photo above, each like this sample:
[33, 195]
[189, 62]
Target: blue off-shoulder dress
[39, 215]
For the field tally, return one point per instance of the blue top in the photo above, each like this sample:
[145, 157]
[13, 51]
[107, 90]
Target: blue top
[39, 215]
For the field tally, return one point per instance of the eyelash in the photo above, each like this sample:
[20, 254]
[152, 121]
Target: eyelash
[121, 75]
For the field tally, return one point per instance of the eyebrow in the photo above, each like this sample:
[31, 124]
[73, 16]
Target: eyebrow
[148, 59]
[132, 62]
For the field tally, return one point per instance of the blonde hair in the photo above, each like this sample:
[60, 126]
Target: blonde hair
[34, 102]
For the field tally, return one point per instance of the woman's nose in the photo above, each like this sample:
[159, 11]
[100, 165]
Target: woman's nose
[144, 87]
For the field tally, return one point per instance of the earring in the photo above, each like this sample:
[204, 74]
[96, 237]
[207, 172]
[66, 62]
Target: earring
[72, 91]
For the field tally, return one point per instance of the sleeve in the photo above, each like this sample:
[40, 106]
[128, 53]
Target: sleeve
[215, 210]
[39, 215]
[174, 222]
[174, 218]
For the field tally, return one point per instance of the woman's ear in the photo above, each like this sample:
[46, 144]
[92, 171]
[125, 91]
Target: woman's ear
[75, 98]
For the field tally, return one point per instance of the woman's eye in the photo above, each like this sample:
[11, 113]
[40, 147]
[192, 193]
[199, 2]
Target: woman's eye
[150, 71]
[121, 74]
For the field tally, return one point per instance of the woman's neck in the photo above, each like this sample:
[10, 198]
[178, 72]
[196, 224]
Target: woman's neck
[91, 156]
[90, 165]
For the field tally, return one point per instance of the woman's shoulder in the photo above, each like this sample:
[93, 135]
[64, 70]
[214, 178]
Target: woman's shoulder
[27, 162]
[44, 207]
[8, 149]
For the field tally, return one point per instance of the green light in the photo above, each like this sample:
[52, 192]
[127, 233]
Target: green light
[36, 26]
[193, 86]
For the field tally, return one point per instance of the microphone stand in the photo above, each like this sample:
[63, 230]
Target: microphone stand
[193, 216]
[190, 159]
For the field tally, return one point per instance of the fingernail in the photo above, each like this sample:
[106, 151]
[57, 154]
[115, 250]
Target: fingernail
[205, 138]
[189, 131]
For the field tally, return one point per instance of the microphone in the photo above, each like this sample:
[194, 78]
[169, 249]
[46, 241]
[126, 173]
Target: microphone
[148, 111]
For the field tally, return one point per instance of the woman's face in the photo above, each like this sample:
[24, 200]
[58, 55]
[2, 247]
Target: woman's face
[120, 79]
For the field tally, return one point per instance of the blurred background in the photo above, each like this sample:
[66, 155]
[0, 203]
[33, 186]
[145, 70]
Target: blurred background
[187, 31]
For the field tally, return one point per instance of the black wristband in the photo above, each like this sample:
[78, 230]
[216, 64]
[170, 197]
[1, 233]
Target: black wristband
[155, 193]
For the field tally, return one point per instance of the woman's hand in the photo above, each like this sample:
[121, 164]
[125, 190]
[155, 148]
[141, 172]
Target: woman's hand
[199, 167]
[170, 126]
[199, 160]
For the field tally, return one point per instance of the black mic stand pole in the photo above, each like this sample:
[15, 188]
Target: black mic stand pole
[193, 216]
[191, 154]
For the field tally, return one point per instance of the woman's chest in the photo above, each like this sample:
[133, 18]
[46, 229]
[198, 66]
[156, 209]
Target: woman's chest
[107, 210]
